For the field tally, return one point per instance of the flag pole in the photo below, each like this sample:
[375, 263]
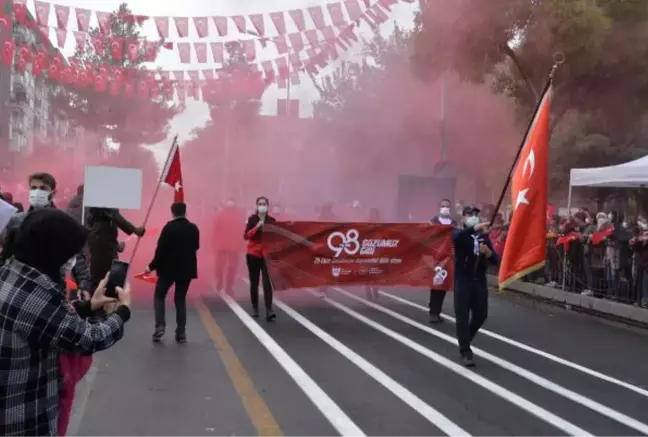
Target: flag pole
[558, 58]
[174, 145]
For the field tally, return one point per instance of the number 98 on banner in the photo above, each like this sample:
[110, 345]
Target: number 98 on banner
[350, 244]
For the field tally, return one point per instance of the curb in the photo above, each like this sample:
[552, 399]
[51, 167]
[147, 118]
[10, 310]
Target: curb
[588, 304]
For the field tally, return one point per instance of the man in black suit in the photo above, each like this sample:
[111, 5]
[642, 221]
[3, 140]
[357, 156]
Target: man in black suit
[176, 263]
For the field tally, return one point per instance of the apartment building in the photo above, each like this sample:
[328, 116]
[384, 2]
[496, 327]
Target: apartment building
[26, 116]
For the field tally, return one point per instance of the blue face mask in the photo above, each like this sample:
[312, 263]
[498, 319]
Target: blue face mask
[472, 221]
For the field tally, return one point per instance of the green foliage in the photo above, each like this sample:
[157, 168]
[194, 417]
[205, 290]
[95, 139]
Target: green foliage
[233, 103]
[127, 120]
[350, 88]
[603, 83]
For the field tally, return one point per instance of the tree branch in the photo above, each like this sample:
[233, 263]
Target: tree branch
[317, 85]
[508, 51]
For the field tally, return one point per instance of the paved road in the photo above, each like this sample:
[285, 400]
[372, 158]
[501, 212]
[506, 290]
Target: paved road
[342, 365]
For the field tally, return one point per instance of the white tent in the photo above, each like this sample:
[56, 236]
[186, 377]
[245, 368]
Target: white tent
[631, 174]
[627, 175]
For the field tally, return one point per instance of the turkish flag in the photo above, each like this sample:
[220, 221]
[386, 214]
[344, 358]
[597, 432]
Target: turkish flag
[526, 243]
[151, 278]
[173, 173]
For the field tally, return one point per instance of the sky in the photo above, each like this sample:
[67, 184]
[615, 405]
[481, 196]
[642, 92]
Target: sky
[197, 113]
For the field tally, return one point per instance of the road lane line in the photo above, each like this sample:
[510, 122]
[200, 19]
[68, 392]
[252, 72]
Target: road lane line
[526, 347]
[333, 413]
[432, 415]
[497, 390]
[254, 404]
[514, 368]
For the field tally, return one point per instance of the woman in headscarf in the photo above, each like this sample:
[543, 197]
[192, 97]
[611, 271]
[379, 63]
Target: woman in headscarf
[37, 323]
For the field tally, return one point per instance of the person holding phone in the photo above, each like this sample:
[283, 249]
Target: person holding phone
[38, 324]
[255, 261]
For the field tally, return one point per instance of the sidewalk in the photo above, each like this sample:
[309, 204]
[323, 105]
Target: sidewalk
[589, 304]
[140, 388]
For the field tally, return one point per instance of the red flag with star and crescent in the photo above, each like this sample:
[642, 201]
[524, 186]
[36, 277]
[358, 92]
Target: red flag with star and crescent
[173, 174]
[526, 243]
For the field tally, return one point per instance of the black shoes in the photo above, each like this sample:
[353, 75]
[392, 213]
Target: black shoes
[180, 337]
[158, 334]
[436, 318]
[467, 359]
[270, 315]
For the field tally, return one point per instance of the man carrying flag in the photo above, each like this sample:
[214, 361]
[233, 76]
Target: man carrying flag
[525, 247]
[473, 250]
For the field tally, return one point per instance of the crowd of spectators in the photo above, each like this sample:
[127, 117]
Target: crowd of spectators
[602, 254]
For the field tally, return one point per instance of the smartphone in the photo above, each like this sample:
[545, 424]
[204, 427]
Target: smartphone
[117, 278]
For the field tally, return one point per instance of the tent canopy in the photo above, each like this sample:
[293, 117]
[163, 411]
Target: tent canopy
[627, 175]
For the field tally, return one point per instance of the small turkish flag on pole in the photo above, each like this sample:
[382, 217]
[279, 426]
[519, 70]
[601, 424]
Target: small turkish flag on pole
[172, 175]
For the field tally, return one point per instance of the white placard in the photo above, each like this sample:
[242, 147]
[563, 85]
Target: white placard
[112, 187]
[7, 210]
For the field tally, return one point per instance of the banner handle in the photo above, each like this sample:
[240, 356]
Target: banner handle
[155, 193]
[558, 59]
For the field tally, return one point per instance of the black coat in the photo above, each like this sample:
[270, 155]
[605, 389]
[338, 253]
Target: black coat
[104, 224]
[176, 252]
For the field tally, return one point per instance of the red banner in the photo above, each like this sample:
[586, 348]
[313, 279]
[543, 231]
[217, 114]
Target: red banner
[312, 254]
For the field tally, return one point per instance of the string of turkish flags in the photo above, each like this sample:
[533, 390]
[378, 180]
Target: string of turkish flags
[62, 14]
[374, 15]
[144, 84]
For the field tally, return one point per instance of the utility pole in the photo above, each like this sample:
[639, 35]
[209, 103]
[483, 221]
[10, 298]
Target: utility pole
[442, 125]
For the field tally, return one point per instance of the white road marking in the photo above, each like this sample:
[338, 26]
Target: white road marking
[497, 390]
[409, 398]
[526, 374]
[338, 418]
[531, 349]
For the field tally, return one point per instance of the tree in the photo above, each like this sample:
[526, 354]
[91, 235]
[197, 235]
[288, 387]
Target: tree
[238, 88]
[376, 115]
[234, 100]
[511, 44]
[127, 120]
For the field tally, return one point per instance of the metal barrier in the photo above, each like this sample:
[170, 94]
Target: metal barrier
[603, 271]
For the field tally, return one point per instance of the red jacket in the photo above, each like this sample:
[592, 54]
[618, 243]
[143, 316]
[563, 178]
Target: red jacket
[226, 229]
[254, 235]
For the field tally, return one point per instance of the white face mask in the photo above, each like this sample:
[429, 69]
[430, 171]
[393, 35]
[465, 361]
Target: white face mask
[39, 198]
[624, 224]
[472, 221]
[445, 211]
[643, 225]
[262, 209]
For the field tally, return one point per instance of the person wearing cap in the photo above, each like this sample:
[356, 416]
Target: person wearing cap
[473, 250]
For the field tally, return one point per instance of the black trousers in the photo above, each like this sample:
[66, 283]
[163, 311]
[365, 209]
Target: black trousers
[257, 267]
[436, 302]
[227, 262]
[179, 298]
[471, 310]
